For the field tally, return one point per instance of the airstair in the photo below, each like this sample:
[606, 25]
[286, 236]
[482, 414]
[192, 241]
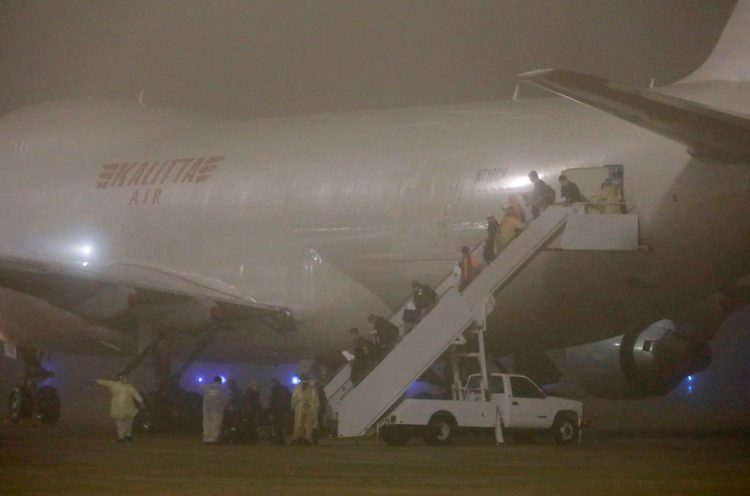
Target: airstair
[358, 408]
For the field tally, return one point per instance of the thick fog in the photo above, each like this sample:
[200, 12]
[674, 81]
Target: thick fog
[238, 59]
[280, 57]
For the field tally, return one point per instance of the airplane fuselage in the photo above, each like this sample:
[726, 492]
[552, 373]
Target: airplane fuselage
[332, 216]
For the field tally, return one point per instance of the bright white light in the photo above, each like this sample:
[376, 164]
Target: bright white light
[690, 378]
[517, 182]
[200, 379]
[85, 264]
[223, 379]
[86, 250]
[316, 259]
[295, 380]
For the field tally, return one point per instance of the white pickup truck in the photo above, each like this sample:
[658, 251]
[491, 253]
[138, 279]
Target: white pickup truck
[514, 400]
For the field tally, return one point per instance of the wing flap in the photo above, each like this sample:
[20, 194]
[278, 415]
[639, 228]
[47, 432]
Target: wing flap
[707, 132]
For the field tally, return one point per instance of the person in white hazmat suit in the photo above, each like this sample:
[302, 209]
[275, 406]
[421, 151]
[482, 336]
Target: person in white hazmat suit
[215, 400]
[123, 406]
[305, 405]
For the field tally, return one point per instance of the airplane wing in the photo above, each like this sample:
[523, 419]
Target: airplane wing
[99, 292]
[708, 132]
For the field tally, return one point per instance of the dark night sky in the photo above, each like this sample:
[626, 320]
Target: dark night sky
[250, 58]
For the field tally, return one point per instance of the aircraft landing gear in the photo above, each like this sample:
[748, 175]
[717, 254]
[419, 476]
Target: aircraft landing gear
[47, 405]
[20, 404]
[171, 408]
[175, 410]
[29, 400]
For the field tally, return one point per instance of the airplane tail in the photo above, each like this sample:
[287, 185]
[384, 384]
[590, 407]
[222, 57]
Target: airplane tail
[730, 59]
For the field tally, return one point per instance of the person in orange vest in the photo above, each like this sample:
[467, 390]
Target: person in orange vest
[468, 267]
[510, 227]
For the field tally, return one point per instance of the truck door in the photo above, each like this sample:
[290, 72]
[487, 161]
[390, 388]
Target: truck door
[529, 407]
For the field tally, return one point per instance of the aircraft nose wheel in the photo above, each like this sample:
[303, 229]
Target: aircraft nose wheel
[20, 404]
[47, 409]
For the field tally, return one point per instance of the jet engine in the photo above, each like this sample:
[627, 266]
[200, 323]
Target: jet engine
[636, 365]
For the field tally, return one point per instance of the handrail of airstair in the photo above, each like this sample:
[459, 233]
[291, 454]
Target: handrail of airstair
[473, 291]
[396, 318]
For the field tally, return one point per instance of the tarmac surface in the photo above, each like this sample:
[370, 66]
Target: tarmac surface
[69, 460]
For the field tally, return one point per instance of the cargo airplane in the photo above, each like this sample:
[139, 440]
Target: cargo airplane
[126, 227]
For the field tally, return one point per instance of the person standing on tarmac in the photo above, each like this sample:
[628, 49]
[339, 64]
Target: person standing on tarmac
[279, 407]
[123, 406]
[305, 405]
[232, 427]
[215, 400]
[322, 408]
[252, 411]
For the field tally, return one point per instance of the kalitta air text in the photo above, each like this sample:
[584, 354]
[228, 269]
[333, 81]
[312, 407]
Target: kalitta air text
[150, 177]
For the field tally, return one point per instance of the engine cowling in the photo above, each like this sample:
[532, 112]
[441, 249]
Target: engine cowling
[647, 363]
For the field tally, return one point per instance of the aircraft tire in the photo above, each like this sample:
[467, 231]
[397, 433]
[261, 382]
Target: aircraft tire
[47, 405]
[20, 404]
[154, 416]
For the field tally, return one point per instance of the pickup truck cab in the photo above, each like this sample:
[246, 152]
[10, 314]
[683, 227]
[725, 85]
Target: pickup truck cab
[510, 401]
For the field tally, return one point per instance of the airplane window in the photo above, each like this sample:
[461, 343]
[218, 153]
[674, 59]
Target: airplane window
[524, 388]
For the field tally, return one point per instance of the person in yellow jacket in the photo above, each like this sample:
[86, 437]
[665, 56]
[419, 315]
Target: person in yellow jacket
[305, 405]
[609, 199]
[510, 227]
[123, 406]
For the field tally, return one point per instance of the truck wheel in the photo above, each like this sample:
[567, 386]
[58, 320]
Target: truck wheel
[440, 430]
[20, 404]
[565, 430]
[47, 408]
[395, 435]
